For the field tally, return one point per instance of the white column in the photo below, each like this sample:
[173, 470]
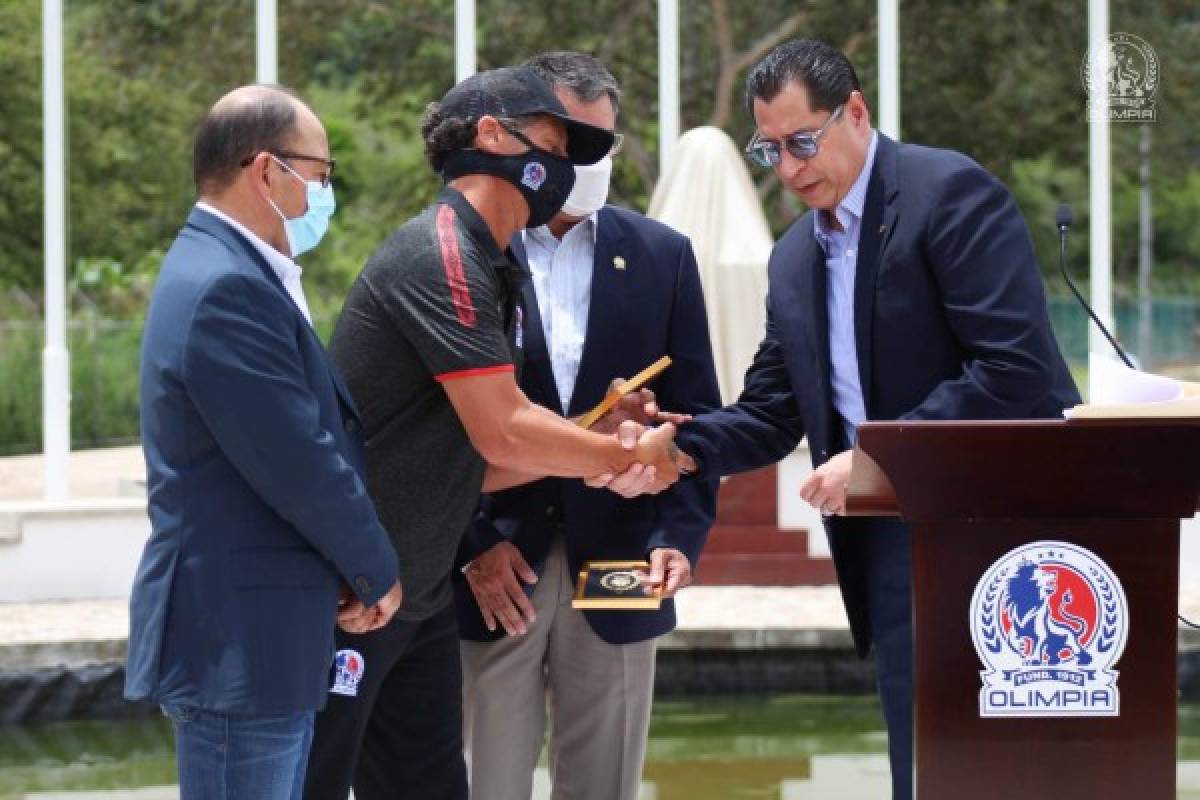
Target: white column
[889, 68]
[1145, 323]
[1099, 161]
[464, 39]
[56, 377]
[668, 81]
[267, 41]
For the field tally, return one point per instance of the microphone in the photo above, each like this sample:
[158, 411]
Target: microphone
[1062, 219]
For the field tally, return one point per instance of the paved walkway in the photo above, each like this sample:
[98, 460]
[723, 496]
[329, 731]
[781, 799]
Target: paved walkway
[739, 617]
[92, 473]
[45, 634]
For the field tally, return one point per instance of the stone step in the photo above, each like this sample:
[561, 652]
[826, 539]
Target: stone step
[765, 539]
[764, 569]
[749, 498]
[747, 548]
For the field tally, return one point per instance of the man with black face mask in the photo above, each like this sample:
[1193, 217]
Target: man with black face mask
[611, 291]
[430, 341]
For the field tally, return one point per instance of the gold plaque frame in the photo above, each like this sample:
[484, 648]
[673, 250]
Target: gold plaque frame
[614, 586]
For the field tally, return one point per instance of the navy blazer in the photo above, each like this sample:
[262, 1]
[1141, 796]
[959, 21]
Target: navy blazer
[652, 307]
[950, 322]
[257, 507]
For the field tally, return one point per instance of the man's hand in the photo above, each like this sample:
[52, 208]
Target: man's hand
[494, 578]
[639, 406]
[825, 488]
[637, 478]
[353, 617]
[656, 449]
[669, 569]
[656, 468]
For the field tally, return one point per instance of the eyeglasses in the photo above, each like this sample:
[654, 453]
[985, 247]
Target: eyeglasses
[325, 178]
[618, 140]
[801, 144]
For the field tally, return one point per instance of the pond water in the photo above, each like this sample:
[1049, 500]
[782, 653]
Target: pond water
[783, 747]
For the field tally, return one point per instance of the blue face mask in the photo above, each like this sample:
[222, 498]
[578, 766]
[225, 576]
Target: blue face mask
[305, 231]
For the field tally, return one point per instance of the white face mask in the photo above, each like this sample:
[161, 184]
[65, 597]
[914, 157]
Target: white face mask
[590, 190]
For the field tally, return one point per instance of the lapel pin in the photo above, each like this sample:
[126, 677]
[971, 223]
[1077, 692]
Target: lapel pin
[882, 228]
[618, 262]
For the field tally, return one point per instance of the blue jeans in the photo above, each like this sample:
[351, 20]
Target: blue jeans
[230, 757]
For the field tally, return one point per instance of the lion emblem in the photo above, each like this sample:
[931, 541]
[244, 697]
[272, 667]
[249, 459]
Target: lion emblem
[1040, 625]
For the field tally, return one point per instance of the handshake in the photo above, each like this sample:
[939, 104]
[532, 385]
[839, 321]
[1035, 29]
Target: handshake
[656, 463]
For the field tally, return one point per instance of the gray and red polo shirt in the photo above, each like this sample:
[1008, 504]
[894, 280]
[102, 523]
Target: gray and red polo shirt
[438, 301]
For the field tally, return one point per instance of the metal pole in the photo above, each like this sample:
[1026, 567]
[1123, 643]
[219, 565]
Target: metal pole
[1099, 165]
[267, 41]
[889, 68]
[1145, 254]
[668, 81]
[56, 380]
[464, 39]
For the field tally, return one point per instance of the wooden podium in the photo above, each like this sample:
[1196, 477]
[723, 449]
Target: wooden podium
[977, 495]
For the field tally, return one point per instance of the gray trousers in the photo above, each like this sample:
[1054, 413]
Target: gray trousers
[597, 696]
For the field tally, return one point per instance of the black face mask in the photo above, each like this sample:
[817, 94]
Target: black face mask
[544, 179]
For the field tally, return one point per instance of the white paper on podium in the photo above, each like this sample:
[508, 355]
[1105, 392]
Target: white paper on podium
[1120, 392]
[1115, 383]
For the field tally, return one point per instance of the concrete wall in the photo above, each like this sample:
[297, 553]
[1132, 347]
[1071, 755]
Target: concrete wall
[77, 550]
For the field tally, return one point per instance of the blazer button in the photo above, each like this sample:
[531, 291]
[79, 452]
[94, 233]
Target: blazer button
[363, 584]
[351, 425]
[550, 511]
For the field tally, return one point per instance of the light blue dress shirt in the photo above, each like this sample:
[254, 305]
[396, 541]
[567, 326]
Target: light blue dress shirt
[562, 280]
[841, 261]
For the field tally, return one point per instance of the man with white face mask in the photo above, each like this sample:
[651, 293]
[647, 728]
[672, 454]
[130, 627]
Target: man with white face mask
[611, 292]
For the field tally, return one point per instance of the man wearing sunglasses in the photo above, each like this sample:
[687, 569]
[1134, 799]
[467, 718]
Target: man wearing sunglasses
[430, 342]
[908, 291]
[261, 522]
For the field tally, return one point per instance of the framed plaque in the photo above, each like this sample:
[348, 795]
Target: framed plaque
[615, 586]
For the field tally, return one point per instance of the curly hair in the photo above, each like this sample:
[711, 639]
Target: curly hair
[444, 135]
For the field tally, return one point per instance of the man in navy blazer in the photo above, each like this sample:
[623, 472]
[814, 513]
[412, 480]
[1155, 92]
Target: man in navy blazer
[261, 521]
[910, 290]
[611, 292]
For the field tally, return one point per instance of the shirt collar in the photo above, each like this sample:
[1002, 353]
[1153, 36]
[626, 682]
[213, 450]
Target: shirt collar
[851, 207]
[283, 266]
[543, 234]
[480, 232]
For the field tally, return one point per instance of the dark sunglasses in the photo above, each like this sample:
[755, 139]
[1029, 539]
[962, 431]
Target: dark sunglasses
[801, 144]
[325, 178]
[510, 126]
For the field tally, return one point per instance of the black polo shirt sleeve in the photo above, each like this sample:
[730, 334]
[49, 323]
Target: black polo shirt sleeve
[451, 306]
